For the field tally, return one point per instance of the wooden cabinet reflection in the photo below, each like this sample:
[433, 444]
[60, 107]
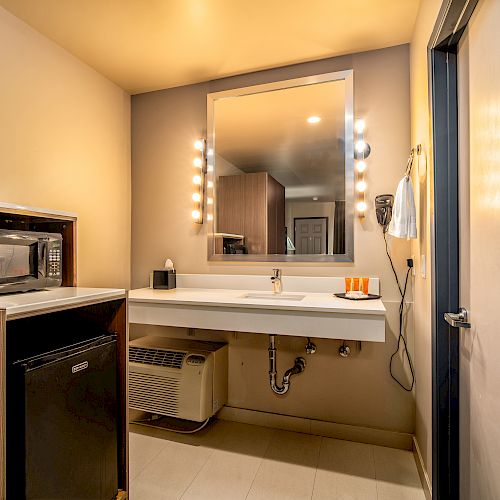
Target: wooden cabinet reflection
[253, 205]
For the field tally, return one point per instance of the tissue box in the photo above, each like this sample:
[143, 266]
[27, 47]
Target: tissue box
[162, 279]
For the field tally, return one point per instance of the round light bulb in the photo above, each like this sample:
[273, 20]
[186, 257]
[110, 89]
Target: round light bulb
[361, 206]
[197, 180]
[210, 201]
[198, 145]
[361, 186]
[314, 119]
[196, 197]
[210, 217]
[210, 184]
[197, 162]
[195, 214]
[359, 126]
[360, 146]
[360, 166]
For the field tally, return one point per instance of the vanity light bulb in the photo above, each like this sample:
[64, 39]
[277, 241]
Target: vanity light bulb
[360, 146]
[198, 145]
[197, 162]
[314, 119]
[361, 186]
[196, 197]
[359, 126]
[360, 166]
[210, 184]
[210, 217]
[197, 180]
[361, 206]
[195, 214]
[210, 201]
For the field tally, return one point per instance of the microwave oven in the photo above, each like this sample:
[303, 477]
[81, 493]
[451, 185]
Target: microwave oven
[29, 260]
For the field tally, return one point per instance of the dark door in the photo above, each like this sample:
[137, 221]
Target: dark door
[447, 321]
[311, 235]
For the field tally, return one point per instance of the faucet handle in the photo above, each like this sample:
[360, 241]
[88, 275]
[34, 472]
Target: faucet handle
[277, 273]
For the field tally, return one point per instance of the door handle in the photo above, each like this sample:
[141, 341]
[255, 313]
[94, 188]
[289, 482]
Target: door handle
[458, 320]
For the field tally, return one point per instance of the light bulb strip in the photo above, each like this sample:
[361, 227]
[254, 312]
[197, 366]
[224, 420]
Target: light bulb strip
[360, 168]
[197, 197]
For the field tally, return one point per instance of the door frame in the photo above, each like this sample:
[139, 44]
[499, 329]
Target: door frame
[302, 218]
[442, 57]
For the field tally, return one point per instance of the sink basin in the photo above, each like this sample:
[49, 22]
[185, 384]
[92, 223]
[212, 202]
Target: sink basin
[273, 296]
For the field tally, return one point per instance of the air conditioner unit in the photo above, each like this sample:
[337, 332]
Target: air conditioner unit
[177, 378]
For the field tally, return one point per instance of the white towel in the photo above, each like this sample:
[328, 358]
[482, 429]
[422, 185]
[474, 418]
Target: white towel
[404, 217]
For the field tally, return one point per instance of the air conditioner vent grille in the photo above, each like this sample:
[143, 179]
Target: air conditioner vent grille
[156, 357]
[154, 394]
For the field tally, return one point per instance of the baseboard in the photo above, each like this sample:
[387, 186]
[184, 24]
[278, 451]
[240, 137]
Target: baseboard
[424, 478]
[356, 433]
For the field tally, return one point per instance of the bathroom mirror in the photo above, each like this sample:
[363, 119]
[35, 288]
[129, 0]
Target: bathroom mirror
[280, 171]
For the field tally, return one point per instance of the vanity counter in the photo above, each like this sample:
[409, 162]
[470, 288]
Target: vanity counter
[314, 302]
[295, 313]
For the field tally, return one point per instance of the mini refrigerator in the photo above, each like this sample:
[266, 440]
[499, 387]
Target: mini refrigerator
[66, 441]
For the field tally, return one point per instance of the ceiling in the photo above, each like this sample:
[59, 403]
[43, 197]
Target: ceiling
[269, 132]
[144, 45]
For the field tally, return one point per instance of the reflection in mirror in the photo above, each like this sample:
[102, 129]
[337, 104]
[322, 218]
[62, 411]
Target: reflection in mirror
[279, 172]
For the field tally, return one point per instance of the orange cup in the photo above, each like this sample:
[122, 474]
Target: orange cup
[360, 284]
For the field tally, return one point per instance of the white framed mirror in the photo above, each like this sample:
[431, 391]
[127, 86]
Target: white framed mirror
[280, 171]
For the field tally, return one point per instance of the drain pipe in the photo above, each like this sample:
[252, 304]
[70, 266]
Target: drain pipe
[298, 367]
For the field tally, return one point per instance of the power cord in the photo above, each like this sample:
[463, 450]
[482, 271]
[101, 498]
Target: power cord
[154, 417]
[402, 292]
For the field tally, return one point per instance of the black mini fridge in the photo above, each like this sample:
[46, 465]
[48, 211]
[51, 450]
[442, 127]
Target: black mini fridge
[66, 443]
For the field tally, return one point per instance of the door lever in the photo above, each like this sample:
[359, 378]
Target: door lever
[458, 320]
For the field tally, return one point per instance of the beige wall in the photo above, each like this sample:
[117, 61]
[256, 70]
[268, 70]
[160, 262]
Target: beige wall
[165, 124]
[421, 134]
[65, 144]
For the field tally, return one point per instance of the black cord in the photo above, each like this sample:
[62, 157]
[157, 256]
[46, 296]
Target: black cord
[402, 292]
[390, 260]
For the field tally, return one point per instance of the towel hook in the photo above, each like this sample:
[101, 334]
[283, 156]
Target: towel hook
[409, 164]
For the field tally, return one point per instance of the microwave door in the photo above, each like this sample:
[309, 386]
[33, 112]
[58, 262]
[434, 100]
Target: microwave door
[19, 260]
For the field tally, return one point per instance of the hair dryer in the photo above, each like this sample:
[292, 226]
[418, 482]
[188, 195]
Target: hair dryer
[383, 209]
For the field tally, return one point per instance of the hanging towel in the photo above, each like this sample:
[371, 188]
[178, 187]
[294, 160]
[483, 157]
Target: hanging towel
[404, 218]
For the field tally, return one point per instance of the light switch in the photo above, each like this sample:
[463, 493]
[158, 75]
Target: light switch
[423, 269]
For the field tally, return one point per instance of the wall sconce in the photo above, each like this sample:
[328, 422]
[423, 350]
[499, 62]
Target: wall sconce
[361, 151]
[199, 163]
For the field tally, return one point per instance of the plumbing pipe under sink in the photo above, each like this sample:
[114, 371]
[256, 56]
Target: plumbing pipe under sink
[298, 367]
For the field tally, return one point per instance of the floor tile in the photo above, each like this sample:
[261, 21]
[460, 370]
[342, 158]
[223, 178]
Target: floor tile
[346, 470]
[229, 460]
[143, 449]
[229, 472]
[170, 473]
[288, 469]
[397, 475]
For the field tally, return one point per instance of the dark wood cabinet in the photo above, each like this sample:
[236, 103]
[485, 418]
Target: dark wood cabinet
[253, 205]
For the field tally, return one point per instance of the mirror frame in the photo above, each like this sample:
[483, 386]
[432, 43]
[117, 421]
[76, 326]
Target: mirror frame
[210, 187]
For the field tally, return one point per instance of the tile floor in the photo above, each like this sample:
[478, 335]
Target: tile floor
[234, 461]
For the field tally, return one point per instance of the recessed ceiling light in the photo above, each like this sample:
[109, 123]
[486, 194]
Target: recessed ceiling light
[315, 198]
[313, 119]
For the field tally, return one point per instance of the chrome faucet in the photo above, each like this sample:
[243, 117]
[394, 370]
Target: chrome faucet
[276, 281]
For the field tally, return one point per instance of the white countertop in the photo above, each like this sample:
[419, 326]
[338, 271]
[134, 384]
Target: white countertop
[315, 302]
[218, 302]
[55, 298]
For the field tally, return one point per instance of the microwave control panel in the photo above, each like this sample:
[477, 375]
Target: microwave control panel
[54, 264]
